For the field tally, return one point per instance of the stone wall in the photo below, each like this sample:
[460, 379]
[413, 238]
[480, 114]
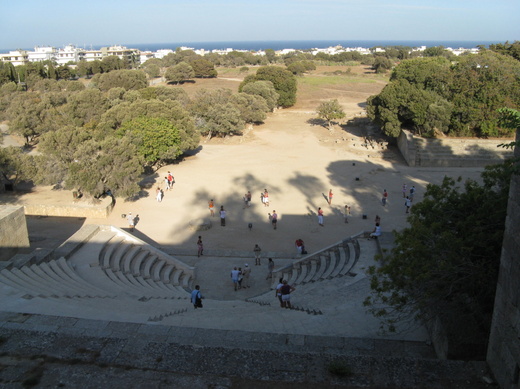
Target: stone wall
[451, 152]
[504, 343]
[97, 211]
[13, 231]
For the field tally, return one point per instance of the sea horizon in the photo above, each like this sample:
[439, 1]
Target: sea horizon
[283, 44]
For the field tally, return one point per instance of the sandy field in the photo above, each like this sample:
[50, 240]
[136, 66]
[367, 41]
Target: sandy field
[291, 155]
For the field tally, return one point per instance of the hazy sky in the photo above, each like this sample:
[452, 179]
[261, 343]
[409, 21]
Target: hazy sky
[27, 23]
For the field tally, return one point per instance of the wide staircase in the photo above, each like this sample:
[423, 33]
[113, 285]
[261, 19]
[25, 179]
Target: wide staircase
[336, 260]
[99, 261]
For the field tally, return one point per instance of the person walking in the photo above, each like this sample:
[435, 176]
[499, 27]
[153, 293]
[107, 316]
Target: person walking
[274, 219]
[171, 180]
[385, 197]
[196, 297]
[234, 277]
[404, 191]
[412, 192]
[407, 204]
[211, 206]
[270, 268]
[246, 272]
[257, 250]
[166, 183]
[159, 194]
[286, 291]
[200, 247]
[131, 221]
[320, 217]
[330, 196]
[222, 216]
[240, 278]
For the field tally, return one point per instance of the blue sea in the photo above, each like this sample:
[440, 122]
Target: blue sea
[292, 44]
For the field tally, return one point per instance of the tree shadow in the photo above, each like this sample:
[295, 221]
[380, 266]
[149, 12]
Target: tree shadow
[317, 122]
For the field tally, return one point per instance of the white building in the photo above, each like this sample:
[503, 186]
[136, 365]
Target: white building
[69, 53]
[16, 57]
[42, 53]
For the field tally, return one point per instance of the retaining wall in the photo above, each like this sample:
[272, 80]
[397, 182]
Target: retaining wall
[13, 231]
[451, 152]
[98, 211]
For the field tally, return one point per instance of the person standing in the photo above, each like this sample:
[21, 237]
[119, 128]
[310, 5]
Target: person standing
[200, 247]
[240, 277]
[385, 197]
[257, 250]
[286, 291]
[171, 180]
[166, 183]
[159, 194]
[196, 297]
[404, 191]
[320, 217]
[407, 204]
[270, 268]
[222, 216]
[131, 221]
[330, 196]
[412, 192]
[278, 292]
[346, 212]
[234, 277]
[211, 206]
[299, 246]
[265, 198]
[274, 219]
[246, 272]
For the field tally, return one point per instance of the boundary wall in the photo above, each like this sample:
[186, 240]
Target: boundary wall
[451, 152]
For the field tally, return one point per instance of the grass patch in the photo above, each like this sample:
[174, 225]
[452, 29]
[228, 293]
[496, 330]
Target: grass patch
[340, 369]
[322, 81]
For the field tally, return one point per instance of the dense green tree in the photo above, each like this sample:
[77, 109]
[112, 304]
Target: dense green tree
[157, 139]
[111, 163]
[428, 94]
[179, 73]
[128, 79]
[330, 111]
[382, 64]
[253, 108]
[221, 120]
[296, 68]
[85, 106]
[511, 49]
[283, 81]
[110, 63]
[445, 265]
[15, 165]
[270, 54]
[202, 68]
[7, 73]
[168, 109]
[264, 89]
[84, 69]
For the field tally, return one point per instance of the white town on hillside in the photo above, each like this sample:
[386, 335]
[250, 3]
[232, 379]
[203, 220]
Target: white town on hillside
[71, 53]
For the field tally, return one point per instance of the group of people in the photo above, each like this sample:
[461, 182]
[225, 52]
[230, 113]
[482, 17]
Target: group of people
[240, 277]
[408, 197]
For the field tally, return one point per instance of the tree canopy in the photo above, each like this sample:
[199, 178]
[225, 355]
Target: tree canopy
[283, 81]
[426, 95]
